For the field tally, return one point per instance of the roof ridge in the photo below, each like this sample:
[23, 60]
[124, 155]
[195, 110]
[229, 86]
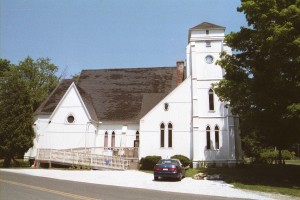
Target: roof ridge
[129, 68]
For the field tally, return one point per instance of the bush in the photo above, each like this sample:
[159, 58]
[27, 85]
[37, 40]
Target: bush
[286, 155]
[270, 155]
[149, 162]
[183, 159]
[267, 156]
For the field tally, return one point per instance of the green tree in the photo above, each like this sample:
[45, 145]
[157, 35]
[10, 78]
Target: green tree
[23, 88]
[4, 66]
[40, 78]
[262, 81]
[16, 133]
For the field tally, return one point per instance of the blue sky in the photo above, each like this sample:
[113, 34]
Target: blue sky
[95, 34]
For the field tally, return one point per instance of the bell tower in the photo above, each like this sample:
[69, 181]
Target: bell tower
[209, 115]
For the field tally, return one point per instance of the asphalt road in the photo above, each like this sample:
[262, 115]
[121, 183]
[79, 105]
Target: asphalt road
[15, 186]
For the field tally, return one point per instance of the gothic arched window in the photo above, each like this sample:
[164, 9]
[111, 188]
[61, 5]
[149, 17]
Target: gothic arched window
[137, 135]
[113, 139]
[106, 139]
[170, 127]
[217, 137]
[207, 137]
[162, 135]
[211, 99]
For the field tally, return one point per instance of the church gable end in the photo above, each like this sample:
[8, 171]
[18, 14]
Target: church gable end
[48, 106]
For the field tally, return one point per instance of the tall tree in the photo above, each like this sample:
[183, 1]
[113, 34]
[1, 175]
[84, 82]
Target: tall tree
[23, 87]
[4, 66]
[16, 133]
[262, 81]
[40, 78]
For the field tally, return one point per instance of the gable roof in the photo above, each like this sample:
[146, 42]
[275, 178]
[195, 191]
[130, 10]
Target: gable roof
[124, 95]
[206, 25]
[49, 105]
[117, 95]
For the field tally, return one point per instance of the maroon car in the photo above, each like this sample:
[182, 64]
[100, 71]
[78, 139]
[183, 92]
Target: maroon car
[169, 168]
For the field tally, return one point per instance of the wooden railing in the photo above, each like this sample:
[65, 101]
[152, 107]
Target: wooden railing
[84, 157]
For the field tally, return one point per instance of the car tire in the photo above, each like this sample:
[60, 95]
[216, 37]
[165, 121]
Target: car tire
[180, 177]
[156, 178]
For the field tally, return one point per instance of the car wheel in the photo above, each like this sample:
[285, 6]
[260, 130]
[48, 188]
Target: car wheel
[156, 178]
[180, 177]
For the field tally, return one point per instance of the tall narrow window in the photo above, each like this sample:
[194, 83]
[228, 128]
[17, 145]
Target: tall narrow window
[106, 139]
[211, 99]
[208, 44]
[162, 135]
[170, 127]
[207, 137]
[217, 137]
[137, 135]
[137, 139]
[113, 139]
[207, 32]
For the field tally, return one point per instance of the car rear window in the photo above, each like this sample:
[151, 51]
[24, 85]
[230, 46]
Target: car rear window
[168, 162]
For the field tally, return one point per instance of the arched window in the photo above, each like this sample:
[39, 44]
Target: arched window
[207, 137]
[137, 135]
[137, 139]
[211, 99]
[106, 139]
[162, 135]
[170, 127]
[217, 137]
[113, 139]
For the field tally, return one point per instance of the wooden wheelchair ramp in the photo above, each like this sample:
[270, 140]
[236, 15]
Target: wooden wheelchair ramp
[84, 157]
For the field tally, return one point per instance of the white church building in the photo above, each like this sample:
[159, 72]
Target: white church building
[160, 111]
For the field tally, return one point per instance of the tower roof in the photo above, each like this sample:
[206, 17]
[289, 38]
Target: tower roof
[206, 25]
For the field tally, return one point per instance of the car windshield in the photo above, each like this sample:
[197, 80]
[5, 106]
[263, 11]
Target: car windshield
[174, 162]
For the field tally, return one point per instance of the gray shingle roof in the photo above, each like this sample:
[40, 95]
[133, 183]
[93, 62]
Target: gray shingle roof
[207, 25]
[125, 95]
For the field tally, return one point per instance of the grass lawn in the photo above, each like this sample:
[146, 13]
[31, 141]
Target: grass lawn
[293, 162]
[21, 163]
[283, 179]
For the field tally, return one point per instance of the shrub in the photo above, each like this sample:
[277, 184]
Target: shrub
[268, 156]
[286, 155]
[149, 162]
[183, 159]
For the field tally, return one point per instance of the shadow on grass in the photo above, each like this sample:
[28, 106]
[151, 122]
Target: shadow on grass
[284, 179]
[18, 163]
